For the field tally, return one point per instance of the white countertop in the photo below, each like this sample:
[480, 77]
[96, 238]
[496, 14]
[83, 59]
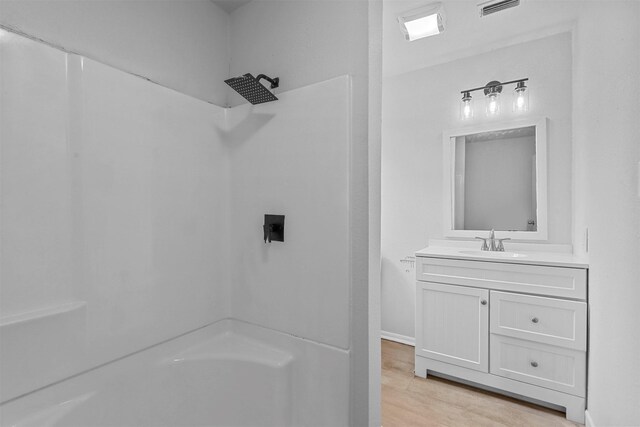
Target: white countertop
[530, 257]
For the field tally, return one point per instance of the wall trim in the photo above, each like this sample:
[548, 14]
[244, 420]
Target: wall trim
[588, 421]
[402, 339]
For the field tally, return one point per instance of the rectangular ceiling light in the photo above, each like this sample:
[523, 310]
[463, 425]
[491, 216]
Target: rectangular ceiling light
[423, 22]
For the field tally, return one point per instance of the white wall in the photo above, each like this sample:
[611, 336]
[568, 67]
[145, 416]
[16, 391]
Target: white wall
[182, 45]
[115, 212]
[607, 145]
[417, 107]
[370, 297]
[302, 42]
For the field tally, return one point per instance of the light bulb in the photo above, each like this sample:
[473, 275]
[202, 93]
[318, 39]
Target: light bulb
[466, 108]
[520, 98]
[493, 104]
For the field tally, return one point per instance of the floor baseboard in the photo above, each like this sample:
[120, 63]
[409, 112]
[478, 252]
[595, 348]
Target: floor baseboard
[402, 339]
[588, 421]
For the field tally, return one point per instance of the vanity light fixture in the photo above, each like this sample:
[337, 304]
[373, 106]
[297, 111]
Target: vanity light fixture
[492, 92]
[422, 22]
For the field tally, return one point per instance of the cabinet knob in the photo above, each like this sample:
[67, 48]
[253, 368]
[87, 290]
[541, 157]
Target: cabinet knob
[483, 302]
[535, 320]
[534, 364]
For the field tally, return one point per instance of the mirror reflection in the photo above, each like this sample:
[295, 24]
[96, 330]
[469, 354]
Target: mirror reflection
[495, 180]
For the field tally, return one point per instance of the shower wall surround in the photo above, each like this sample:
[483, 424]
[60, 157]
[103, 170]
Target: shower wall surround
[292, 157]
[154, 188]
[36, 172]
[118, 197]
[115, 200]
[303, 43]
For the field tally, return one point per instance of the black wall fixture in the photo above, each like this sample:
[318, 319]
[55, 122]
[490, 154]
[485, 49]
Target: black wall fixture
[273, 228]
[251, 88]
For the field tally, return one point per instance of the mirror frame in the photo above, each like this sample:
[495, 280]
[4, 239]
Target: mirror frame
[448, 149]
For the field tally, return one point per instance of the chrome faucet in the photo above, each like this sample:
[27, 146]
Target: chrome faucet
[492, 246]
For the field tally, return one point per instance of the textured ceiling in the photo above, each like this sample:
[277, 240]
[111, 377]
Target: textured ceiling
[230, 5]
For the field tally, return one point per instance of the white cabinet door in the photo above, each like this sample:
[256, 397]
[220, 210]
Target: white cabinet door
[452, 324]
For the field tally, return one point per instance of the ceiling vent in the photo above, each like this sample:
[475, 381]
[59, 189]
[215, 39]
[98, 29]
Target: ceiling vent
[493, 6]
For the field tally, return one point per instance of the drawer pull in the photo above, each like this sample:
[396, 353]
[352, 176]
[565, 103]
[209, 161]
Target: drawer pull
[535, 320]
[534, 364]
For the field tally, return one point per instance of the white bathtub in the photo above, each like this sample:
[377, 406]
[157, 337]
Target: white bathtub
[226, 374]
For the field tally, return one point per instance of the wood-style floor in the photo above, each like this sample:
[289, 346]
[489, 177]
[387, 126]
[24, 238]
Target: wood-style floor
[408, 400]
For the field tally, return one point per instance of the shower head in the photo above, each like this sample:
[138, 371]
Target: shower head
[251, 88]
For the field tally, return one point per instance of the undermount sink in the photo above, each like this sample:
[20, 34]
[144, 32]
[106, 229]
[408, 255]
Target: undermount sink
[494, 254]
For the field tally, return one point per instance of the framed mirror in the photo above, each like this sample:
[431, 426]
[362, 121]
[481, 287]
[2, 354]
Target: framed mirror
[495, 177]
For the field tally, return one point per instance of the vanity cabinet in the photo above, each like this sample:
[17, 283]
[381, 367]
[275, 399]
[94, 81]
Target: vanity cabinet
[517, 328]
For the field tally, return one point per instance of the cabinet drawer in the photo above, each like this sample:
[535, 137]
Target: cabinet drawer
[533, 279]
[547, 366]
[547, 320]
